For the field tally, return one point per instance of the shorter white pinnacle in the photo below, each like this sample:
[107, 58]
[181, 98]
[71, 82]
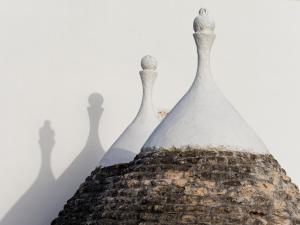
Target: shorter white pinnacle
[134, 136]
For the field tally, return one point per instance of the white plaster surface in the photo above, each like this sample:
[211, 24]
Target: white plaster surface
[204, 117]
[125, 148]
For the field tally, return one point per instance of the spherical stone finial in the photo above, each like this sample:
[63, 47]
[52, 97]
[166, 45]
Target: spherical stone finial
[203, 22]
[149, 63]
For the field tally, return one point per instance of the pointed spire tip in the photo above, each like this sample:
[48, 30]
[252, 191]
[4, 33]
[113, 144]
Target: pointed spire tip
[203, 12]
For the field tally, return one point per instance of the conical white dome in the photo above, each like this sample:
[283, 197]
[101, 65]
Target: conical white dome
[132, 139]
[204, 117]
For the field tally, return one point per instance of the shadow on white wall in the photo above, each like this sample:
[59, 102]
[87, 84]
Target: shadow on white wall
[41, 203]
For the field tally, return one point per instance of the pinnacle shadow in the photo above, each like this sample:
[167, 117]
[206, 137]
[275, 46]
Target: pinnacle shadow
[36, 206]
[89, 157]
[47, 195]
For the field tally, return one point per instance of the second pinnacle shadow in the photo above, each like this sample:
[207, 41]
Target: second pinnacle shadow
[47, 196]
[89, 157]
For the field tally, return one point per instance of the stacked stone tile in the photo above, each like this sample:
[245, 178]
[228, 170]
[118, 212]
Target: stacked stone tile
[207, 187]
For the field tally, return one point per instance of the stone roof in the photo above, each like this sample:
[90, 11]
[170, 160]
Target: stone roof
[221, 185]
[163, 187]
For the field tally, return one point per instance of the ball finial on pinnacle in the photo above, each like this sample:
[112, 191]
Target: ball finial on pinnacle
[203, 22]
[149, 63]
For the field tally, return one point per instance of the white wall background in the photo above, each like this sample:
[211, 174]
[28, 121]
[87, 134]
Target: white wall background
[55, 53]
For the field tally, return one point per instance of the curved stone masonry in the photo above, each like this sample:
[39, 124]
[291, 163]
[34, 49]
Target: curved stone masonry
[171, 187]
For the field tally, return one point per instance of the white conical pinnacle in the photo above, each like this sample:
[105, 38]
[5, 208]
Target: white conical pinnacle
[148, 76]
[203, 117]
[132, 139]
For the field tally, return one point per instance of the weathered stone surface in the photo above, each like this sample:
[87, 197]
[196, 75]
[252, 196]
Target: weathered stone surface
[209, 187]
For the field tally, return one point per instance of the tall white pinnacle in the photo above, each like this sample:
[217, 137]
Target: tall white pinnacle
[132, 139]
[203, 117]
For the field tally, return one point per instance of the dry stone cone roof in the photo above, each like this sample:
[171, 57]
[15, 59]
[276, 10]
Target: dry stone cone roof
[125, 148]
[225, 176]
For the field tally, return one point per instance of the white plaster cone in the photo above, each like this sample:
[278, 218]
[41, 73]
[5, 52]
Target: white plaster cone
[132, 139]
[203, 117]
